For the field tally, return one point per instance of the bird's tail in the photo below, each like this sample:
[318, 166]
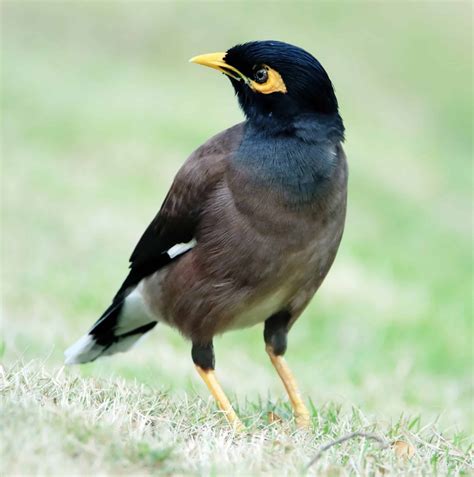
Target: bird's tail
[124, 322]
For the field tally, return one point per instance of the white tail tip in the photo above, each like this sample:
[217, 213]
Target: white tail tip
[79, 351]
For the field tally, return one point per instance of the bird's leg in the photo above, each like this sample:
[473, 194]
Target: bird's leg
[203, 357]
[275, 335]
[301, 411]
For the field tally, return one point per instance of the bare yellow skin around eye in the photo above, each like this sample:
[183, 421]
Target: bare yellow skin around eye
[274, 83]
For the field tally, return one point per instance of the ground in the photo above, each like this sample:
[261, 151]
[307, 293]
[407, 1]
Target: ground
[114, 426]
[100, 108]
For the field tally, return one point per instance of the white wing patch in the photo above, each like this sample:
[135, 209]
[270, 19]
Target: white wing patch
[181, 248]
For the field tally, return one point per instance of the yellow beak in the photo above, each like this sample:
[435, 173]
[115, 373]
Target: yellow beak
[216, 61]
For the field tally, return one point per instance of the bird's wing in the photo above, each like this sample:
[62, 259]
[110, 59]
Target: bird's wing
[169, 235]
[171, 232]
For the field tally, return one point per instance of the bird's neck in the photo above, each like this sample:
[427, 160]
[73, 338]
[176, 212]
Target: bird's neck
[297, 157]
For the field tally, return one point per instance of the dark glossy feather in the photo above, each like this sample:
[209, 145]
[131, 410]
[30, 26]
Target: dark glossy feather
[179, 215]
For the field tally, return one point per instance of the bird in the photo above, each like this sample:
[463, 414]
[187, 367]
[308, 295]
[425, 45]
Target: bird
[250, 226]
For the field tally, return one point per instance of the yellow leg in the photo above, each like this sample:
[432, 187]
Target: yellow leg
[289, 381]
[209, 377]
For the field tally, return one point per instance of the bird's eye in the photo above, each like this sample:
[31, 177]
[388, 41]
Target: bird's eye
[261, 75]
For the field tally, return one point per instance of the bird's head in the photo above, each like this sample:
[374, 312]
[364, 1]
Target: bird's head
[276, 79]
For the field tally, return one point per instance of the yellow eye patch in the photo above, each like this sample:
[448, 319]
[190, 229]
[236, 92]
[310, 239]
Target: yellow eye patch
[273, 84]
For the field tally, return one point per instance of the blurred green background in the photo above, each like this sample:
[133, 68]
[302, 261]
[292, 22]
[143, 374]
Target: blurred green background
[99, 109]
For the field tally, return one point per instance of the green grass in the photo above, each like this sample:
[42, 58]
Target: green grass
[100, 108]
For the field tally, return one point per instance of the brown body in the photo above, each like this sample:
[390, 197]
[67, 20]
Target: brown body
[256, 253]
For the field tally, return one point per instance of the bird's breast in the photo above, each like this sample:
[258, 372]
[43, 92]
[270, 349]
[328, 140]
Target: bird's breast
[259, 308]
[255, 253]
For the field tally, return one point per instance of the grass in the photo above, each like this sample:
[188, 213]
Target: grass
[112, 426]
[100, 108]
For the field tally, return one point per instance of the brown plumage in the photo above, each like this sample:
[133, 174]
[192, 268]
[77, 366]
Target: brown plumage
[251, 247]
[251, 224]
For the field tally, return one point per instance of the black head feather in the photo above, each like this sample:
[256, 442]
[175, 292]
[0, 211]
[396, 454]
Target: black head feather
[309, 89]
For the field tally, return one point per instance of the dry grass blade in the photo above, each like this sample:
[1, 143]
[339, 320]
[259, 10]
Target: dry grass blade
[345, 438]
[83, 424]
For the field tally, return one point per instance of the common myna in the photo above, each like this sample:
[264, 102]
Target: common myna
[250, 226]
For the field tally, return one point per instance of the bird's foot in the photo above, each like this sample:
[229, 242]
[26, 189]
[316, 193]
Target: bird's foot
[237, 426]
[231, 417]
[303, 419]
